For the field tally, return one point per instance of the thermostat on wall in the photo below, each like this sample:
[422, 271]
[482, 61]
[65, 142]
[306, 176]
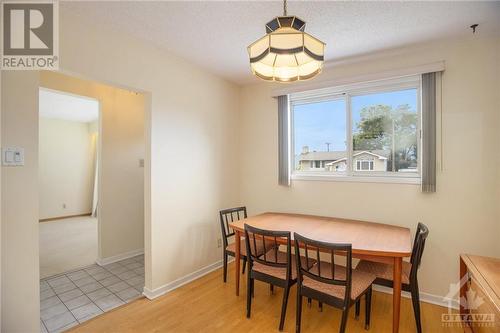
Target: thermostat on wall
[13, 156]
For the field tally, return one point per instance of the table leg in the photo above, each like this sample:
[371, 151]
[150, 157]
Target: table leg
[396, 296]
[237, 239]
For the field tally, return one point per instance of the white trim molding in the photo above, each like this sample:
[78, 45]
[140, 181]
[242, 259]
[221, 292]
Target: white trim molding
[345, 94]
[152, 294]
[437, 66]
[356, 179]
[424, 297]
[118, 257]
[155, 293]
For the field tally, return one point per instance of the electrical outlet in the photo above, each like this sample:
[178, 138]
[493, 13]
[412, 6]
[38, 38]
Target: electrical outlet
[219, 242]
[64, 206]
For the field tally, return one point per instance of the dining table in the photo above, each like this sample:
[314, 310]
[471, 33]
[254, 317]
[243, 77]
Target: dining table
[370, 241]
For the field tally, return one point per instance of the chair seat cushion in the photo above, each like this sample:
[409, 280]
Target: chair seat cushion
[385, 271]
[361, 281]
[243, 247]
[279, 272]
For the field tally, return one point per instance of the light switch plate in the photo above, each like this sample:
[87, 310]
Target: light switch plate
[13, 156]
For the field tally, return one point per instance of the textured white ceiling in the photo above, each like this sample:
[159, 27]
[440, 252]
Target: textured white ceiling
[59, 105]
[215, 35]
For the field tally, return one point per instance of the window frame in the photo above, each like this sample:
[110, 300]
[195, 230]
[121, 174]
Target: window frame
[360, 163]
[346, 93]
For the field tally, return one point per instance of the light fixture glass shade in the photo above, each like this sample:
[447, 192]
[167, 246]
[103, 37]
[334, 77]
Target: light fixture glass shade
[286, 53]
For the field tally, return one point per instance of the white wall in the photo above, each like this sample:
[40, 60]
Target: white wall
[20, 268]
[194, 139]
[65, 167]
[191, 168]
[463, 216]
[121, 146]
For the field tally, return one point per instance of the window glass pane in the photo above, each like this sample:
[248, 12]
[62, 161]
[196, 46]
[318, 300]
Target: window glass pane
[320, 136]
[384, 131]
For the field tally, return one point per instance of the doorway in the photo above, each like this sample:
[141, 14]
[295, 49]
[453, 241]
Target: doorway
[68, 132]
[104, 268]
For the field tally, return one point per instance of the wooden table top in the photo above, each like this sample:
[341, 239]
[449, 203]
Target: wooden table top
[366, 237]
[486, 271]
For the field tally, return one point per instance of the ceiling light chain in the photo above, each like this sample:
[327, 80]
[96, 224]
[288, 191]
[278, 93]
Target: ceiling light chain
[284, 8]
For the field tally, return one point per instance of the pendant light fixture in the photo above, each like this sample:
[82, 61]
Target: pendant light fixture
[286, 53]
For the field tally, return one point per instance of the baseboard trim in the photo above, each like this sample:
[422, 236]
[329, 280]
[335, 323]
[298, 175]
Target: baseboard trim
[63, 217]
[424, 297]
[119, 257]
[152, 294]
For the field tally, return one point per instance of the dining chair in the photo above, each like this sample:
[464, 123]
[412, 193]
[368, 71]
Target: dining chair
[232, 215]
[326, 282]
[384, 272]
[227, 216]
[275, 267]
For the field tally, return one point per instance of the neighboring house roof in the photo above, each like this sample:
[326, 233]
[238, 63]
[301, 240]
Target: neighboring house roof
[376, 153]
[336, 156]
[337, 161]
[322, 156]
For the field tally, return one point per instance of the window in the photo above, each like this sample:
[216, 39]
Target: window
[319, 134]
[366, 130]
[362, 165]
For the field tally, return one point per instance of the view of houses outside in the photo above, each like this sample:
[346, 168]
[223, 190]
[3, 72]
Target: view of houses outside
[384, 134]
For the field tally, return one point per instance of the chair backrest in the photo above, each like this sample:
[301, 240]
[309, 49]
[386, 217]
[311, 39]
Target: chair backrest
[418, 248]
[325, 275]
[267, 240]
[227, 216]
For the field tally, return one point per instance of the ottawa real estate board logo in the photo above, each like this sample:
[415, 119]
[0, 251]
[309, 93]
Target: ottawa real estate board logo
[30, 35]
[472, 314]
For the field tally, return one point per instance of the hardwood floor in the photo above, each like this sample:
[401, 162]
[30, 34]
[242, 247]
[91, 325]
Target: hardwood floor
[209, 305]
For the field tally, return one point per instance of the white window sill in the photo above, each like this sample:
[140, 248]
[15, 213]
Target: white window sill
[358, 179]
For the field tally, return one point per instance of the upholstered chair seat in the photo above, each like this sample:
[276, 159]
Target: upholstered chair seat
[243, 249]
[360, 281]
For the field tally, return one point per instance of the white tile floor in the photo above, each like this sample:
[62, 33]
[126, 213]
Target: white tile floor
[74, 297]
